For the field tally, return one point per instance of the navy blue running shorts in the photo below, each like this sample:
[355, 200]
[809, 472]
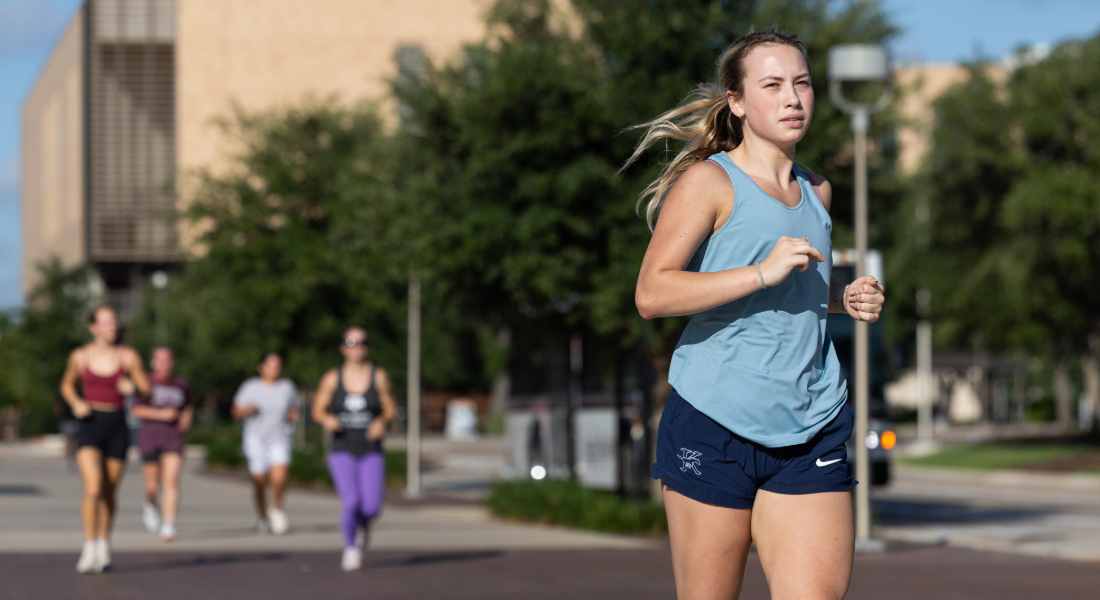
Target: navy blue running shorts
[704, 461]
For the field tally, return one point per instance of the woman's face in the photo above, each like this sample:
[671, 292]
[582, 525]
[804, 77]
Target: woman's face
[271, 368]
[778, 103]
[105, 326]
[354, 347]
[163, 362]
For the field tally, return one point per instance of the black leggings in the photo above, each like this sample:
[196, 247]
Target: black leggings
[106, 431]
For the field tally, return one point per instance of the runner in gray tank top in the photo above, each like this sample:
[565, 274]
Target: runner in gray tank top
[750, 446]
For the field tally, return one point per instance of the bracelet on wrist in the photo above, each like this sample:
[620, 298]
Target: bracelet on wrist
[759, 274]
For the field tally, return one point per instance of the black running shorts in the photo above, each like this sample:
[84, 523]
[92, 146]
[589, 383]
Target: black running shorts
[106, 431]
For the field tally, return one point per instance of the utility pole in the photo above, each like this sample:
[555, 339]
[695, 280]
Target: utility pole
[573, 401]
[925, 426]
[412, 436]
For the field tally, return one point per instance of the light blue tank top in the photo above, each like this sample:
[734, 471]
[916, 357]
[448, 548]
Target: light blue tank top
[763, 366]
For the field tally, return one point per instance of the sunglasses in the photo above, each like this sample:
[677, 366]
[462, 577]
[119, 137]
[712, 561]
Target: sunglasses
[352, 342]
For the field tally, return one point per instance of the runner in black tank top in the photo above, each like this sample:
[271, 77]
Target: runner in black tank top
[357, 420]
[356, 412]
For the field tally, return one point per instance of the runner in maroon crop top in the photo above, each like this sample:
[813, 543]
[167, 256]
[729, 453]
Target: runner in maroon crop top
[108, 372]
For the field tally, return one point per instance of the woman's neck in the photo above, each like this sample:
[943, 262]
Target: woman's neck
[764, 159]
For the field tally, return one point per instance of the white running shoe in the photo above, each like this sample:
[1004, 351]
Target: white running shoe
[87, 562]
[167, 532]
[352, 559]
[102, 556]
[150, 516]
[279, 524]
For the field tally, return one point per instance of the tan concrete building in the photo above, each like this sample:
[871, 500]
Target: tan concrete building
[920, 86]
[126, 109]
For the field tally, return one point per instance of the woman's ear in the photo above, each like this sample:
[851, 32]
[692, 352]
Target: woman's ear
[735, 105]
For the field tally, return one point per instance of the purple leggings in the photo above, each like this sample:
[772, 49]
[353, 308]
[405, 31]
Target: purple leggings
[361, 483]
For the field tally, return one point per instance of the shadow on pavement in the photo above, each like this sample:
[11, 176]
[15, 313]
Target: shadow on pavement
[909, 512]
[431, 559]
[198, 562]
[20, 490]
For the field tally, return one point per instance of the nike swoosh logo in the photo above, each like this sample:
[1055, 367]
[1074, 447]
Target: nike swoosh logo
[825, 464]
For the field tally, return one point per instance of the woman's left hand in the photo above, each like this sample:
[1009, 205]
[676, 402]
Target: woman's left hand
[864, 299]
[125, 386]
[184, 422]
[376, 430]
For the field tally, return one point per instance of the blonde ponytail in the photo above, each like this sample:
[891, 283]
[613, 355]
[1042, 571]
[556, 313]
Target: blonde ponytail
[703, 120]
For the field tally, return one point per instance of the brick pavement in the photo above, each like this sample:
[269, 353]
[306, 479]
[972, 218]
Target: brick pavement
[904, 572]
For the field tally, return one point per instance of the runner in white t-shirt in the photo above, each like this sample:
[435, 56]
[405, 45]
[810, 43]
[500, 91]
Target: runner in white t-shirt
[268, 405]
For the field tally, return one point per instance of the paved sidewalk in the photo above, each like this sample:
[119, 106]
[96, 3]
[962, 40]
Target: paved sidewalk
[40, 497]
[1056, 516]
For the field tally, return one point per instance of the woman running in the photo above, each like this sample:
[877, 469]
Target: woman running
[355, 403]
[268, 405]
[750, 447]
[165, 418]
[107, 373]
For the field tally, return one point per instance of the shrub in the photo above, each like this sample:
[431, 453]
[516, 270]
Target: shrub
[566, 503]
[223, 444]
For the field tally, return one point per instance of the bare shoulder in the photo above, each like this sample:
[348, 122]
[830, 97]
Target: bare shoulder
[77, 357]
[700, 197]
[329, 378]
[702, 181]
[129, 356]
[824, 188]
[381, 375]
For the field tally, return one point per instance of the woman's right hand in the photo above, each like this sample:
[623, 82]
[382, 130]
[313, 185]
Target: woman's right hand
[332, 423]
[787, 254]
[82, 410]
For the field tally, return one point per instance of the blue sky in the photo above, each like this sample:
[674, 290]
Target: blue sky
[28, 31]
[942, 31]
[936, 31]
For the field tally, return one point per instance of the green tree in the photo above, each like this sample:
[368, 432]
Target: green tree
[35, 343]
[950, 221]
[293, 249]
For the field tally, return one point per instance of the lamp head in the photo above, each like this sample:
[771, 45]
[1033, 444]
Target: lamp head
[857, 62]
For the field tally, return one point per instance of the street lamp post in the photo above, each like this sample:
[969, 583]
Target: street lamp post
[859, 63]
[159, 280]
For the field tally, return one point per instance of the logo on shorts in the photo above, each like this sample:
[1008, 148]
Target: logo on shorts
[690, 458]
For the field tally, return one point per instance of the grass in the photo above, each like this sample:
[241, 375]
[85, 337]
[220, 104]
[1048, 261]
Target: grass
[566, 503]
[994, 456]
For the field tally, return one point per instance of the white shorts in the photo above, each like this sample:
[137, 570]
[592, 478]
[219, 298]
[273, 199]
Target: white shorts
[262, 454]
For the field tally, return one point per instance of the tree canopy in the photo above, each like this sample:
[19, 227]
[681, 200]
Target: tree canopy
[1007, 232]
